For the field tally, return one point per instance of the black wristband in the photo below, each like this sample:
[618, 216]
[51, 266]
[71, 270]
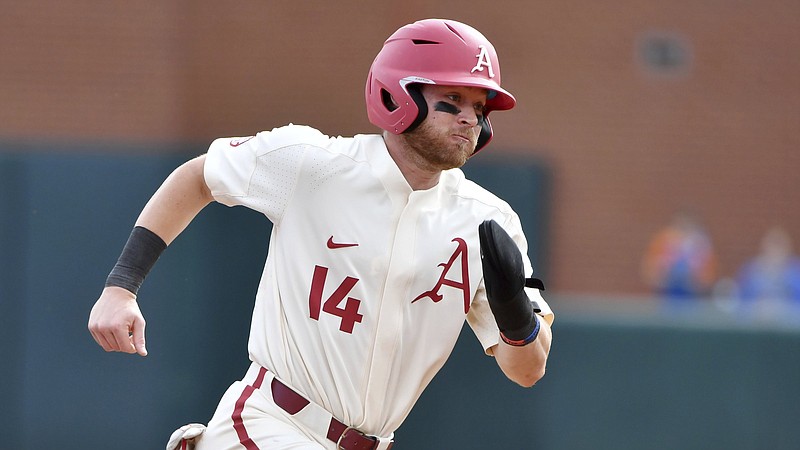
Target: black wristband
[138, 256]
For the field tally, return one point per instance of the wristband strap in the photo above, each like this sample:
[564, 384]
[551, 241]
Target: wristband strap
[532, 337]
[138, 256]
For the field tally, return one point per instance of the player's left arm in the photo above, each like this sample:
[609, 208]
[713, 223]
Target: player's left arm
[525, 335]
[525, 365]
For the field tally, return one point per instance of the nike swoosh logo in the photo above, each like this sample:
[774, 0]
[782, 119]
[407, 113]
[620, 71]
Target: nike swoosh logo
[333, 245]
[239, 141]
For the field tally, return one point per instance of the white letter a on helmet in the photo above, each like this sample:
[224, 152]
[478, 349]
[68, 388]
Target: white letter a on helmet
[483, 61]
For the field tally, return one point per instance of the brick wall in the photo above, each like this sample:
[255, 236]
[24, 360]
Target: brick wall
[717, 133]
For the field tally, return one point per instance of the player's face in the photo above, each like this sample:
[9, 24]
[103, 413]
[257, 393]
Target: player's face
[449, 134]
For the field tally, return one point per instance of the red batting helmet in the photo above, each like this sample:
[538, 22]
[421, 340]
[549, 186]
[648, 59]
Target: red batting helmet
[431, 51]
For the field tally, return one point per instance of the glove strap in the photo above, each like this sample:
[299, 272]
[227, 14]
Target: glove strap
[534, 283]
[532, 337]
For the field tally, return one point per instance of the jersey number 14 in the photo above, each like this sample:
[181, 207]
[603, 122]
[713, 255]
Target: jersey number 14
[333, 305]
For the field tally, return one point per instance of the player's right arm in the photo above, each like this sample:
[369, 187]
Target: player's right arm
[116, 322]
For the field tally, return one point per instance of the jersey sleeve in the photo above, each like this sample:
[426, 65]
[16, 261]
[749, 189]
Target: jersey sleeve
[261, 171]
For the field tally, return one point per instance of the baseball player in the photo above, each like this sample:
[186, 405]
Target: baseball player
[380, 250]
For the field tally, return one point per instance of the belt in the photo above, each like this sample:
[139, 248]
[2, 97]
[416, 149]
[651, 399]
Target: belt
[345, 437]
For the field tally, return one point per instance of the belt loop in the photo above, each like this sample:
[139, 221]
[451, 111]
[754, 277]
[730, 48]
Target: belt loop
[384, 444]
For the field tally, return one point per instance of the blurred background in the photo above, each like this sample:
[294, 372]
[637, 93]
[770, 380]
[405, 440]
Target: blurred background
[653, 157]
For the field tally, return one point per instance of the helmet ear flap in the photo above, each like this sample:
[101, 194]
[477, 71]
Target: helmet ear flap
[485, 134]
[415, 92]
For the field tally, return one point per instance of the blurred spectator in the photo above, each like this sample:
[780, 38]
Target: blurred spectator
[773, 275]
[680, 262]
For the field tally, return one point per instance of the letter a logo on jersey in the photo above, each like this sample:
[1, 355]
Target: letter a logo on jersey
[483, 61]
[463, 285]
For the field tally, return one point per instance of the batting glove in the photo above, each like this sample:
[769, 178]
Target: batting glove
[504, 277]
[185, 437]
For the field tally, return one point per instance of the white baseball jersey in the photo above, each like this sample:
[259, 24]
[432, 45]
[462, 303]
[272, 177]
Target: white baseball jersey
[367, 283]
